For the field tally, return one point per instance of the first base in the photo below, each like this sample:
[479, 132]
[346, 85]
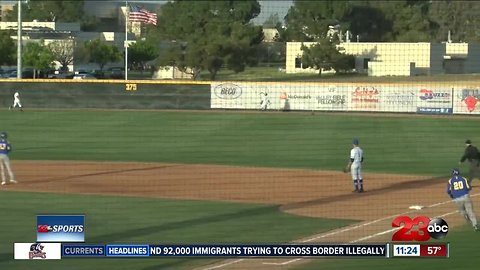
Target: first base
[417, 207]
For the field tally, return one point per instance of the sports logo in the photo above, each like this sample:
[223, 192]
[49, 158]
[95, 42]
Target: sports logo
[471, 98]
[426, 94]
[36, 251]
[60, 228]
[471, 103]
[365, 97]
[228, 91]
[436, 228]
[44, 228]
[365, 91]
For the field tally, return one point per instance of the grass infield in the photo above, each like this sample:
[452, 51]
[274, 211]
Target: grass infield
[111, 219]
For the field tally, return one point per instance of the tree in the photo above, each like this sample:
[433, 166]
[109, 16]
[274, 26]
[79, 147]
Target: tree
[80, 53]
[49, 11]
[141, 52]
[342, 63]
[400, 20]
[7, 47]
[407, 21]
[101, 53]
[309, 20]
[460, 17]
[320, 55]
[368, 22]
[272, 21]
[37, 55]
[205, 35]
[62, 50]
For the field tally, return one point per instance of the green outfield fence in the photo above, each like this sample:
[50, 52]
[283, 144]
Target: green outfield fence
[106, 94]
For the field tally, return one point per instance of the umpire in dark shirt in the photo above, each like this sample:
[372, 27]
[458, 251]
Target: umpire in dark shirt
[473, 156]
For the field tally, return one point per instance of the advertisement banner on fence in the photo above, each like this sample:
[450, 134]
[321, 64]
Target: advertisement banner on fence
[364, 98]
[227, 95]
[435, 100]
[466, 100]
[398, 98]
[331, 98]
[361, 97]
[258, 96]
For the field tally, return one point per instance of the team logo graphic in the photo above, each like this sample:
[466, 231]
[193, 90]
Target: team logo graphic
[470, 98]
[426, 94]
[366, 91]
[60, 228]
[228, 91]
[420, 228]
[44, 228]
[471, 103]
[36, 251]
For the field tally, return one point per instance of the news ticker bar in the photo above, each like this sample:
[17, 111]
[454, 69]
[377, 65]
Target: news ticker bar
[285, 250]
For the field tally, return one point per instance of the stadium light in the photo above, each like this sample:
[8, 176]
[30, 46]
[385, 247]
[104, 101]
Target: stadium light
[19, 40]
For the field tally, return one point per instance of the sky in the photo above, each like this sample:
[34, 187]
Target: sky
[270, 7]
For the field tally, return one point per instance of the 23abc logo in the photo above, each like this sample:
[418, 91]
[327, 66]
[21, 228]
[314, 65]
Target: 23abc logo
[420, 228]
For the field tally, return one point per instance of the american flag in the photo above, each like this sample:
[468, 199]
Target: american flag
[138, 14]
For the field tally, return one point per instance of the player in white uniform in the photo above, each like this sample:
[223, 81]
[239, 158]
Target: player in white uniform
[16, 101]
[265, 101]
[355, 166]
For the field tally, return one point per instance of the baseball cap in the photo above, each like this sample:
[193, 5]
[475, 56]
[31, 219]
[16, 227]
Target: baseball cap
[468, 142]
[355, 141]
[455, 171]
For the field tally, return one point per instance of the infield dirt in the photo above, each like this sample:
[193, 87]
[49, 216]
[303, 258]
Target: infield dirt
[300, 192]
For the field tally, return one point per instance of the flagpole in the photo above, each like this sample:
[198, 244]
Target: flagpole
[126, 39]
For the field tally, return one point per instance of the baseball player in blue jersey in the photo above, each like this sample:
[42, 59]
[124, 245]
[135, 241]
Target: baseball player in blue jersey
[5, 148]
[355, 166]
[458, 188]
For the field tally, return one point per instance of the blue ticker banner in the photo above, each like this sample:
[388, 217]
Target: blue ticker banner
[423, 110]
[285, 250]
[61, 228]
[87, 250]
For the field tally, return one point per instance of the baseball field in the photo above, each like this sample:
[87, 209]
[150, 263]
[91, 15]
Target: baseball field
[214, 177]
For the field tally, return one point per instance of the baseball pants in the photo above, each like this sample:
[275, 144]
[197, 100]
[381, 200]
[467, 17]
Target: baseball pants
[356, 172]
[474, 170]
[357, 177]
[465, 208]
[5, 165]
[16, 103]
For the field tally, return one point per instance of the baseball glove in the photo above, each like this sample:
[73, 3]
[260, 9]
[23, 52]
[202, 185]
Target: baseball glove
[346, 170]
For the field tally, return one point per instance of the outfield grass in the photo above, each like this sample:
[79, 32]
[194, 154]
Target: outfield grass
[111, 219]
[402, 144]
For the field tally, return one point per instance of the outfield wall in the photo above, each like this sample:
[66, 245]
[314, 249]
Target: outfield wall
[436, 98]
[431, 98]
[106, 94]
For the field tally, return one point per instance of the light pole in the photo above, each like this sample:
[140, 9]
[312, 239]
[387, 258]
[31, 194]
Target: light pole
[19, 40]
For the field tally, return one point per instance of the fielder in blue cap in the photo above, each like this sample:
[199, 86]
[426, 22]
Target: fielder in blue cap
[458, 189]
[355, 166]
